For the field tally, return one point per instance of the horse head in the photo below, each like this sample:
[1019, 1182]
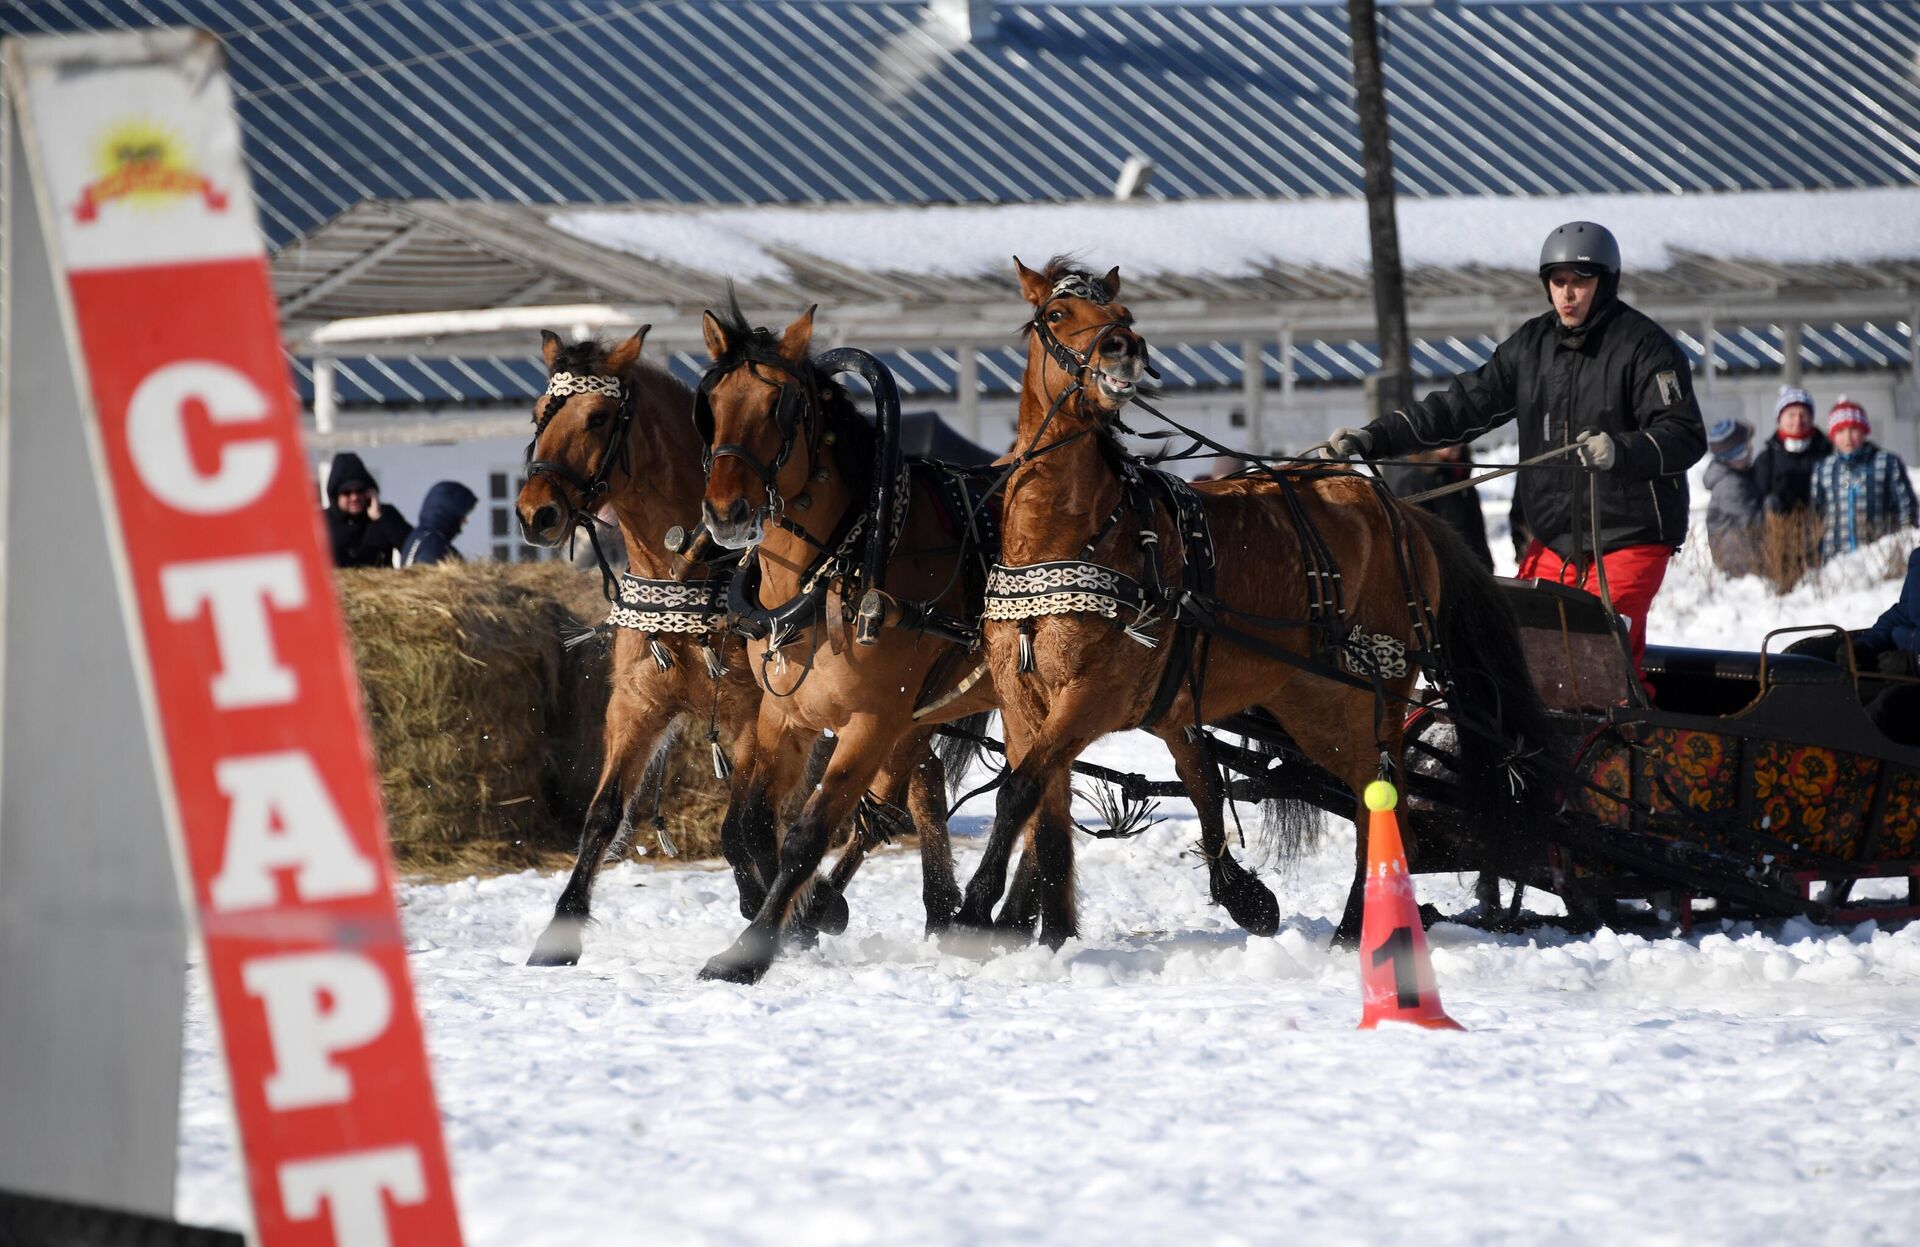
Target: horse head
[756, 404]
[1081, 337]
[581, 428]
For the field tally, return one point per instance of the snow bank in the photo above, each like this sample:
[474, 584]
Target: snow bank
[1238, 238]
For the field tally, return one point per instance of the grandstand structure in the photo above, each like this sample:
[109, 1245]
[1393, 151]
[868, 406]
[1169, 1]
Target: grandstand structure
[439, 180]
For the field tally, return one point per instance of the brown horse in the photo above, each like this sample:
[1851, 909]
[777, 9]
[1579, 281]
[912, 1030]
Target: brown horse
[791, 463]
[1066, 679]
[612, 431]
[791, 472]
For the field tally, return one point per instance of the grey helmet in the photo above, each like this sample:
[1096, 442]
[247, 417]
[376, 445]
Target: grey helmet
[1585, 246]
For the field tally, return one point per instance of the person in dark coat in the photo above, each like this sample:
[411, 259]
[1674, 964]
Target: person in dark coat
[1735, 523]
[1460, 510]
[365, 533]
[442, 515]
[1783, 470]
[1592, 373]
[1891, 648]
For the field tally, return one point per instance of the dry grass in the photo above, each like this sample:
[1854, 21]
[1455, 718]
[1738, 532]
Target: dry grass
[486, 730]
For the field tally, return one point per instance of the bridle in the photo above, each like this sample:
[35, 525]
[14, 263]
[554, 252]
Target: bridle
[1077, 364]
[560, 387]
[582, 512]
[796, 409]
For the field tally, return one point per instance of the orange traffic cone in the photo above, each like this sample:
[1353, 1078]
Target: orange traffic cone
[1396, 975]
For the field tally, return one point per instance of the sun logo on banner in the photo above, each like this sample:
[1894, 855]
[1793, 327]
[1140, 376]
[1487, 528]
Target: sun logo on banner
[146, 164]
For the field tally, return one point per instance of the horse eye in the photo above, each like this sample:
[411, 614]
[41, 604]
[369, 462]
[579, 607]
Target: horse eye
[1055, 316]
[597, 419]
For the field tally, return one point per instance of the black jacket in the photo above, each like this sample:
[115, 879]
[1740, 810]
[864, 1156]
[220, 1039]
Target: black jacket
[1619, 373]
[1459, 510]
[357, 540]
[1784, 478]
[441, 515]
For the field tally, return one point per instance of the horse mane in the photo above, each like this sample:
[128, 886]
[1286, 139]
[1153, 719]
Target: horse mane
[854, 435]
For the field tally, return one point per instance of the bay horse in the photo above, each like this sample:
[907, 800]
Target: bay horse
[613, 431]
[1317, 566]
[791, 473]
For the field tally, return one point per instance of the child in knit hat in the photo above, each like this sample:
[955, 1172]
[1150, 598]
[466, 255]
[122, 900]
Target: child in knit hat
[1733, 504]
[1860, 491]
[1783, 470]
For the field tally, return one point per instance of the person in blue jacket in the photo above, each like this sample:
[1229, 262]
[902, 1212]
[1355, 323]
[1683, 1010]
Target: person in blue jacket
[1892, 649]
[442, 515]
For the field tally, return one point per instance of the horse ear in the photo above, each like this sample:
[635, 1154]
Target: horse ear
[718, 344]
[1112, 282]
[1033, 286]
[550, 345]
[798, 337]
[622, 357]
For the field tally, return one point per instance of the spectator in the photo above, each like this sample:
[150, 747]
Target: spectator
[364, 533]
[1860, 491]
[1460, 510]
[1783, 470]
[1891, 650]
[442, 515]
[1735, 525]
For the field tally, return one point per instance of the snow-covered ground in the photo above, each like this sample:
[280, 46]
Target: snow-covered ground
[1163, 1080]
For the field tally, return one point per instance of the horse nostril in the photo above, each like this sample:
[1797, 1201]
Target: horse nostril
[1113, 345]
[544, 519]
[737, 511]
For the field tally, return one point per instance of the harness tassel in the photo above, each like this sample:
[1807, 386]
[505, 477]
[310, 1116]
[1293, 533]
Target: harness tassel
[662, 657]
[1026, 646]
[716, 669]
[664, 840]
[1134, 630]
[722, 765]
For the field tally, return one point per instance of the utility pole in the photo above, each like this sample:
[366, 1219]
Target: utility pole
[1393, 387]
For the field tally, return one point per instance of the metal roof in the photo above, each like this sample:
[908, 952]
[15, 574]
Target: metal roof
[696, 101]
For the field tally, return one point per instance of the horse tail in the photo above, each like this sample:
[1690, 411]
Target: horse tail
[1497, 712]
[958, 753]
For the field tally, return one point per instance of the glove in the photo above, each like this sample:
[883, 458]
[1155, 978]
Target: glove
[1598, 451]
[1894, 662]
[1350, 444]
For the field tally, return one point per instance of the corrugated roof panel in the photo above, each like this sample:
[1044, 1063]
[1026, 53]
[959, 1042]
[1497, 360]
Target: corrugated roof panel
[817, 100]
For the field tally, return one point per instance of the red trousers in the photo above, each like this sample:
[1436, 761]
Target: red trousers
[1634, 574]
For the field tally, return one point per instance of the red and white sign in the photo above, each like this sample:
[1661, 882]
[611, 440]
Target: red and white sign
[252, 703]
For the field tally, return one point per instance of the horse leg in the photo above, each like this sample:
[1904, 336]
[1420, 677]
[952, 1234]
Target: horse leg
[927, 801]
[747, 831]
[855, 762]
[1015, 803]
[1249, 902]
[1050, 841]
[634, 731]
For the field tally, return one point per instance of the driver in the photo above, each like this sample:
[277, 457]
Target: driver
[1591, 372]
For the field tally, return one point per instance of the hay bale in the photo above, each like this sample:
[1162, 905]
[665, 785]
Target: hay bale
[487, 732]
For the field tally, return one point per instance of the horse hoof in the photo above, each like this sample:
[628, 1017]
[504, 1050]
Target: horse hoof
[1253, 908]
[827, 910]
[559, 945]
[730, 967]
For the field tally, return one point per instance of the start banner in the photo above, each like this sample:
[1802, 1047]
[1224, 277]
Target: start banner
[252, 707]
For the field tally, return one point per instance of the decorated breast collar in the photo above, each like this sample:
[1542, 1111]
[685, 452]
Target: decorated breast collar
[669, 605]
[567, 384]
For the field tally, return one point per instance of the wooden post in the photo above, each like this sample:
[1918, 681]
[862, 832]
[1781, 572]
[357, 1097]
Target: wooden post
[1710, 358]
[1376, 154]
[966, 392]
[326, 395]
[1253, 391]
[1790, 348]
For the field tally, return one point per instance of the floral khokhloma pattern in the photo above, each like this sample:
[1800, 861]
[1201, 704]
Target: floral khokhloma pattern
[1814, 798]
[1608, 768]
[1900, 830]
[1699, 769]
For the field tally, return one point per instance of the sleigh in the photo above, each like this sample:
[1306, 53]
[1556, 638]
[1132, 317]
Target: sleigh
[1742, 784]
